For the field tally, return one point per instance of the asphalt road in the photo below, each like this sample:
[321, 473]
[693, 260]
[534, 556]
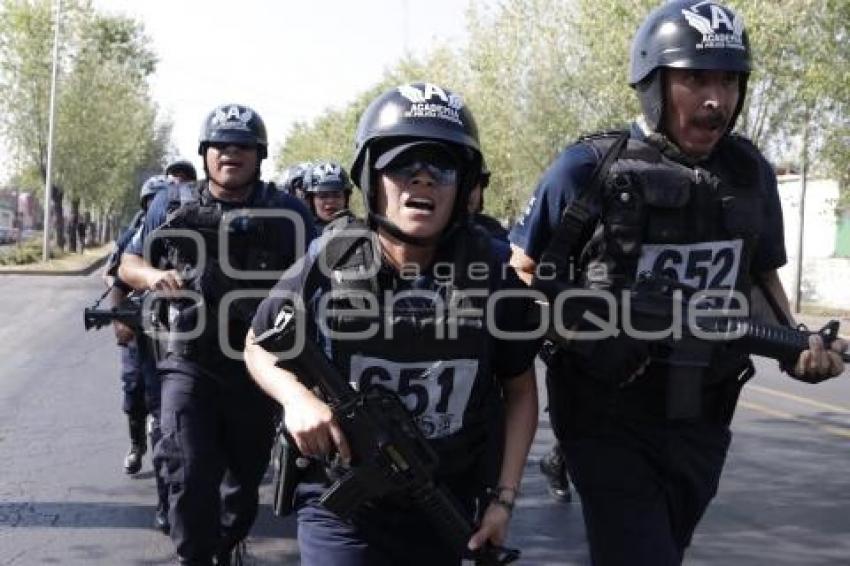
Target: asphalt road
[64, 499]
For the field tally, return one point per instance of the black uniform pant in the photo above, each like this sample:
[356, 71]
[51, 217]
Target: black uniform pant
[644, 481]
[139, 379]
[142, 397]
[215, 449]
[379, 535]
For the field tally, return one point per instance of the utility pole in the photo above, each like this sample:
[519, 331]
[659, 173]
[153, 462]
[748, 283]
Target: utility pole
[52, 125]
[804, 168]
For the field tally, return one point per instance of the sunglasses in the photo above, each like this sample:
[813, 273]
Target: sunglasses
[444, 173]
[221, 146]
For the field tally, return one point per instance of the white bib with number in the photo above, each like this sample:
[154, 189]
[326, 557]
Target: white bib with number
[704, 265]
[435, 392]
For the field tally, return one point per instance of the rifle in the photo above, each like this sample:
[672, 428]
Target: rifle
[681, 325]
[657, 303]
[129, 312]
[390, 455]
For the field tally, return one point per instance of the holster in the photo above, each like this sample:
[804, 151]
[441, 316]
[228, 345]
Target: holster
[730, 392]
[287, 473]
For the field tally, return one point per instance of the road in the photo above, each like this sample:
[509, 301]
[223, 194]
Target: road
[64, 499]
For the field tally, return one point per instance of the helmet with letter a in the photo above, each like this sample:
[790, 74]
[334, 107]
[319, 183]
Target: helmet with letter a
[687, 34]
[236, 124]
[410, 116]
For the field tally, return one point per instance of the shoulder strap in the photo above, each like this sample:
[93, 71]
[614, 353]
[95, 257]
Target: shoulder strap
[579, 212]
[349, 247]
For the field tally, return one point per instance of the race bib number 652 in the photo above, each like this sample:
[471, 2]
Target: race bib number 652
[435, 392]
[704, 265]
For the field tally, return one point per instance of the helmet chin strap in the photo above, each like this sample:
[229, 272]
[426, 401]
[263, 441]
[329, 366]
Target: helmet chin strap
[397, 233]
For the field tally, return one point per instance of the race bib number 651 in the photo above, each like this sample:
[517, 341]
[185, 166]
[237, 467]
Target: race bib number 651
[435, 392]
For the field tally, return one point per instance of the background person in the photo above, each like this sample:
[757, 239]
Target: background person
[217, 425]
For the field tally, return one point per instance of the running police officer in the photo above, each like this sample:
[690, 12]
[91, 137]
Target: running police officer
[181, 171]
[237, 233]
[417, 158]
[327, 189]
[680, 195]
[138, 364]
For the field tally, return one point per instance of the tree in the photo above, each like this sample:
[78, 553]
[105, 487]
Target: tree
[107, 128]
[539, 73]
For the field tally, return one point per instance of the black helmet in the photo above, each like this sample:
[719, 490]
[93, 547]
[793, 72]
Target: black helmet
[484, 179]
[327, 176]
[152, 186]
[234, 123]
[292, 178]
[182, 167]
[684, 34]
[406, 115]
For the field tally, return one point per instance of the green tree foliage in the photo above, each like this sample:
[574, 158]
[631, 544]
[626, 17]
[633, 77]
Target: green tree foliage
[539, 73]
[107, 131]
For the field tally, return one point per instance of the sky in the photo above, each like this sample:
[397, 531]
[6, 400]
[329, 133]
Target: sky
[287, 59]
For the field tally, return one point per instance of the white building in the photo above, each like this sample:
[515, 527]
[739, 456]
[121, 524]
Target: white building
[825, 277]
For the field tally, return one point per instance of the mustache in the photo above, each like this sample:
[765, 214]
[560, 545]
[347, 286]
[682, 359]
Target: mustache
[712, 120]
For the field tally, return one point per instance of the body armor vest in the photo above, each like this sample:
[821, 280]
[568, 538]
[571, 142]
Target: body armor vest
[437, 363]
[689, 223]
[698, 225]
[252, 244]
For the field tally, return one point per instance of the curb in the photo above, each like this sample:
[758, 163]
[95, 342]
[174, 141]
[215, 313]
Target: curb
[83, 271]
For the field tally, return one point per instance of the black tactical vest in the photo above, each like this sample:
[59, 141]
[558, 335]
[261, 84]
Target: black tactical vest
[698, 224]
[253, 243]
[438, 364]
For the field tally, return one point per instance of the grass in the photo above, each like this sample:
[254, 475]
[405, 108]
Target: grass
[28, 257]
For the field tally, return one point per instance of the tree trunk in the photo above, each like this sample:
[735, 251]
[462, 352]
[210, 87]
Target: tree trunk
[74, 220]
[58, 216]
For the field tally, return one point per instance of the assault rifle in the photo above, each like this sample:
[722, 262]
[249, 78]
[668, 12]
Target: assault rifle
[390, 456]
[128, 311]
[657, 303]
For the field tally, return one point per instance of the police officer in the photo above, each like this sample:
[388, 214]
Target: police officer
[327, 189]
[492, 227]
[476, 207]
[138, 364]
[292, 180]
[645, 435]
[417, 158]
[217, 425]
[181, 170]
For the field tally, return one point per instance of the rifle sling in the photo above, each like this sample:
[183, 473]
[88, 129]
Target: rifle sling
[578, 213]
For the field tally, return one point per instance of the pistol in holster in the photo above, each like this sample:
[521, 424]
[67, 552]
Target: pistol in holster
[287, 473]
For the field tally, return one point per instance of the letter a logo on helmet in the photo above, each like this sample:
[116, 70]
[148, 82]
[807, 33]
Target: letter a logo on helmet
[714, 23]
[233, 118]
[428, 100]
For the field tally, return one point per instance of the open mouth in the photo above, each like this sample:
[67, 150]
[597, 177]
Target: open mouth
[420, 204]
[711, 123]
